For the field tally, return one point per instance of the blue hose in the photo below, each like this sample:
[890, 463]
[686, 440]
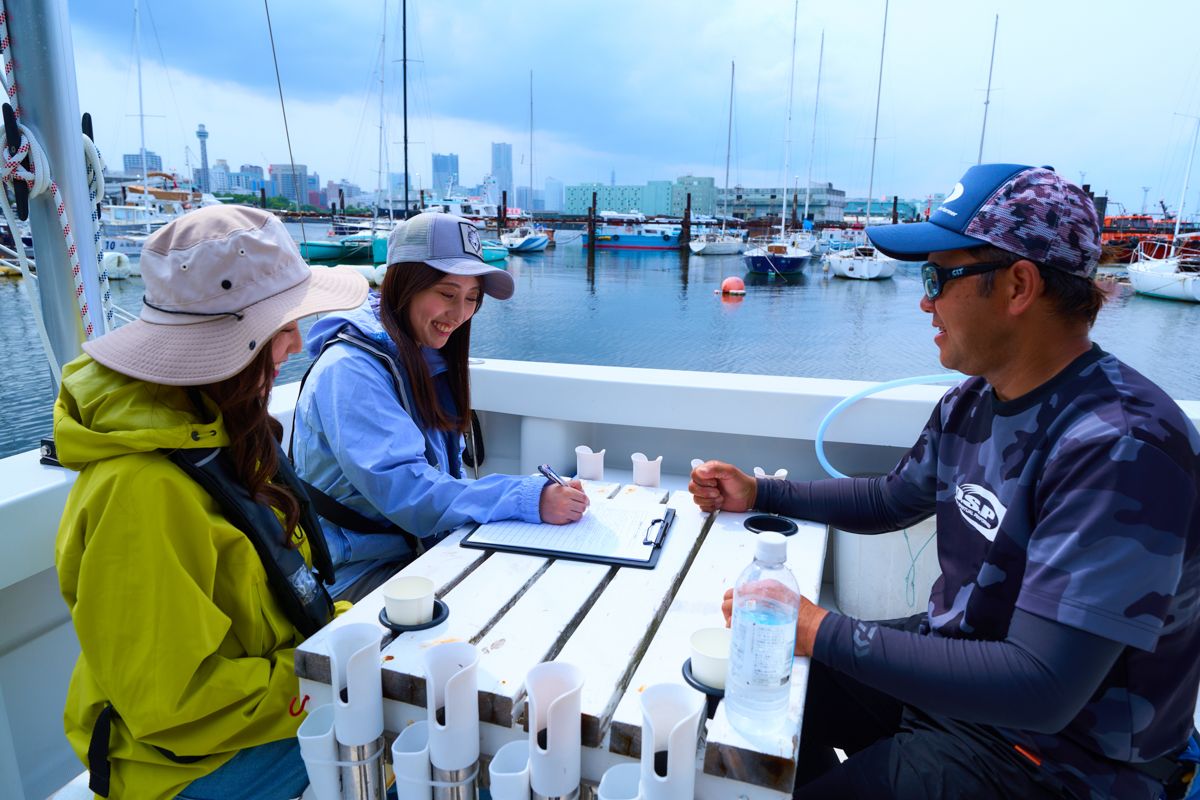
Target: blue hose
[910, 577]
[854, 398]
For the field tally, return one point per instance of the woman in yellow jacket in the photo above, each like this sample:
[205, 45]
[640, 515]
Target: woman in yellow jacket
[183, 553]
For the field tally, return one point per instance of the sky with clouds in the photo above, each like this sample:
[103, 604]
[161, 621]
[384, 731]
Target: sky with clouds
[1102, 90]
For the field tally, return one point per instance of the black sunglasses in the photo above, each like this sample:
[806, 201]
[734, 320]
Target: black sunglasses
[935, 277]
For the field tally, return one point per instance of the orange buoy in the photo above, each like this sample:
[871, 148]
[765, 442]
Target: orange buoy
[733, 285]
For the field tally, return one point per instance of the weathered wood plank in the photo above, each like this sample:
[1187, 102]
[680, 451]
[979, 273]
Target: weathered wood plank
[475, 604]
[770, 760]
[725, 552]
[532, 632]
[609, 641]
[446, 565]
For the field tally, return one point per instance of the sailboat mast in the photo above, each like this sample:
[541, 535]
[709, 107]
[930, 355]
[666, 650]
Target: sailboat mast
[404, 81]
[1187, 175]
[137, 52]
[812, 147]
[385, 166]
[728, 146]
[987, 98]
[531, 146]
[878, 94]
[787, 140]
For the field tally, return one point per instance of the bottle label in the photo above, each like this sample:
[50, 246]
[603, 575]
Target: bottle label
[761, 649]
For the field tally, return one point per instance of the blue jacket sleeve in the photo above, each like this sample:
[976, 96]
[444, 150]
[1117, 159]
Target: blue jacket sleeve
[381, 452]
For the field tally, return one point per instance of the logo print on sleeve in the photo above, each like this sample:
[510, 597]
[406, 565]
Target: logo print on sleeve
[980, 508]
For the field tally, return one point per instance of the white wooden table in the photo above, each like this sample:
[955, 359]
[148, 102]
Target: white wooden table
[626, 628]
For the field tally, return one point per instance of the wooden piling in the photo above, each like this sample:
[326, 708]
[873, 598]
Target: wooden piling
[685, 235]
[591, 228]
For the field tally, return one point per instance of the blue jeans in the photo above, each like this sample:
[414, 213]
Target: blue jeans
[272, 771]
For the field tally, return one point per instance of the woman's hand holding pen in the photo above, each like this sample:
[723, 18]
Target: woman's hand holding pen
[562, 503]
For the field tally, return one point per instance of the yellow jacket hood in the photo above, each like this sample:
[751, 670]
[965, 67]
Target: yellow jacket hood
[100, 413]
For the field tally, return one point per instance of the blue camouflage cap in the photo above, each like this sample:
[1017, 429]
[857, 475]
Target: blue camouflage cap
[1030, 211]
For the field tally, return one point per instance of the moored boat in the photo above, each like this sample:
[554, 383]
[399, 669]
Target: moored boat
[1176, 277]
[617, 231]
[863, 262]
[524, 240]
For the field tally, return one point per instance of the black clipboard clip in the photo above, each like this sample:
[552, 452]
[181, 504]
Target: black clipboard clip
[659, 532]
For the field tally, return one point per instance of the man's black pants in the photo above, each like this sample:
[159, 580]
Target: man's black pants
[895, 751]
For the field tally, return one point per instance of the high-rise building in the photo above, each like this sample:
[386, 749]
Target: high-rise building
[553, 195]
[202, 135]
[288, 184]
[218, 176]
[445, 174]
[133, 162]
[502, 170]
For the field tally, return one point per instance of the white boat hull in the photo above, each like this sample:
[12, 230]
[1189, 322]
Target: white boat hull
[1162, 278]
[864, 268]
[728, 247]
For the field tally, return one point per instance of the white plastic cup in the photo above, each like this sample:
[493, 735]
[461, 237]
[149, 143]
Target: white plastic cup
[409, 600]
[622, 782]
[697, 462]
[645, 471]
[410, 762]
[509, 771]
[589, 466]
[710, 656]
[319, 750]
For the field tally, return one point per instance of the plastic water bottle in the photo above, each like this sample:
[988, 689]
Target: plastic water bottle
[766, 601]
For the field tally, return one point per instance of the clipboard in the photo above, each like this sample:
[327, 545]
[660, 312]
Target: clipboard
[615, 535]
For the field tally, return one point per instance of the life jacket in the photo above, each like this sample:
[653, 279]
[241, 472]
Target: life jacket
[342, 515]
[298, 589]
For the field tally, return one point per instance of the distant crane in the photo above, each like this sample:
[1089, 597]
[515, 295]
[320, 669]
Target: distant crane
[1166, 214]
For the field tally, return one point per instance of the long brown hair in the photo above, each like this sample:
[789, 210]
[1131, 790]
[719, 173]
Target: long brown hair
[253, 435]
[400, 285]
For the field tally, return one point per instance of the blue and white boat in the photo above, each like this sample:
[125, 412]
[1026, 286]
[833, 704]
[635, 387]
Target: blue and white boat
[780, 255]
[630, 231]
[525, 239]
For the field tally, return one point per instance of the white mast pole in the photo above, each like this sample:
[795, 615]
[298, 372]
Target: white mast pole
[137, 52]
[531, 148]
[812, 148]
[385, 162]
[728, 146]
[878, 94]
[1187, 175]
[988, 97]
[42, 50]
[787, 139]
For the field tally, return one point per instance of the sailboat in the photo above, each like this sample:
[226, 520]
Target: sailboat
[784, 253]
[864, 262]
[1177, 276]
[526, 238]
[721, 244]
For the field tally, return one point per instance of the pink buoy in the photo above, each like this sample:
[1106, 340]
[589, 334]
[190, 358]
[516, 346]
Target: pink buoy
[733, 285]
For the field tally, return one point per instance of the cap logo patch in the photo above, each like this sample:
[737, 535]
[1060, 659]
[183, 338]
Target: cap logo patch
[955, 193]
[470, 239]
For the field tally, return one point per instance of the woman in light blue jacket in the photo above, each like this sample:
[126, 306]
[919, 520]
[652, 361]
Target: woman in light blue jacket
[381, 416]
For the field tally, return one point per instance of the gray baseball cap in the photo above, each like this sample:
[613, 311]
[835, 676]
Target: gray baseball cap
[449, 244]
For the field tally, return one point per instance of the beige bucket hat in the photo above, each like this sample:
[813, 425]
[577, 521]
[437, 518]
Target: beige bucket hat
[220, 282]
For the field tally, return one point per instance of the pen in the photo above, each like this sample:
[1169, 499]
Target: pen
[551, 475]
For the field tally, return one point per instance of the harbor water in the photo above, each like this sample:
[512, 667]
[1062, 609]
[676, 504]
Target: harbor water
[660, 310]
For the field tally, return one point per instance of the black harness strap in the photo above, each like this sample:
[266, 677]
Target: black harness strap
[99, 767]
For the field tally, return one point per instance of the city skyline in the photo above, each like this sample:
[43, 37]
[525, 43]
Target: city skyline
[653, 107]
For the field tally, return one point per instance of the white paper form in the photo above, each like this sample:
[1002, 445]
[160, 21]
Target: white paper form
[605, 531]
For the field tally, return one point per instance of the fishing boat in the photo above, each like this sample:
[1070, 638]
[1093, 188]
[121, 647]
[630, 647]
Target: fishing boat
[631, 231]
[785, 253]
[492, 251]
[524, 239]
[720, 243]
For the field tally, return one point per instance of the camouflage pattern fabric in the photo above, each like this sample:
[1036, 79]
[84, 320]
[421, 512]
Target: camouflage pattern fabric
[1048, 220]
[1079, 502]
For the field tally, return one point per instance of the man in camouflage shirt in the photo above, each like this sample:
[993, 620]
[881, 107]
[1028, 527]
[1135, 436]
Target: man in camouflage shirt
[1060, 654]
